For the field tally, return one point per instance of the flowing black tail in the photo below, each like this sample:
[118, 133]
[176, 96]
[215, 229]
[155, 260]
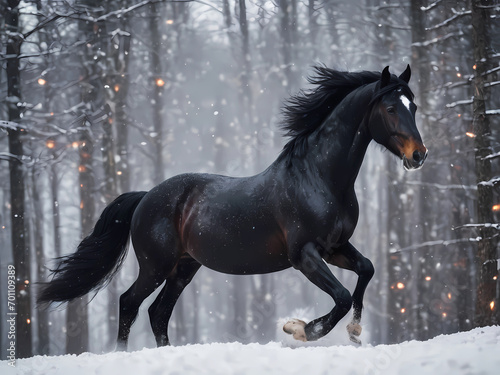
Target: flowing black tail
[98, 257]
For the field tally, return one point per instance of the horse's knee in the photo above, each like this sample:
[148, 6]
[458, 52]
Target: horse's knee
[366, 269]
[343, 301]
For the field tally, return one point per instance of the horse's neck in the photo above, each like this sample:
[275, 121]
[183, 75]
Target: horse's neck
[338, 147]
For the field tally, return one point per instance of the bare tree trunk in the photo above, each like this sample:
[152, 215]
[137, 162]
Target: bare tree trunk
[121, 58]
[54, 189]
[108, 160]
[158, 83]
[118, 173]
[486, 260]
[93, 97]
[396, 307]
[20, 243]
[332, 11]
[288, 18]
[77, 315]
[43, 343]
[245, 90]
[425, 196]
[226, 13]
[313, 27]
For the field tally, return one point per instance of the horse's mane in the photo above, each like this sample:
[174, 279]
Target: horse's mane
[306, 111]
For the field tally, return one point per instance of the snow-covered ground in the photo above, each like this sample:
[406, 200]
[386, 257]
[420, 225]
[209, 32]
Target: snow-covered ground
[474, 352]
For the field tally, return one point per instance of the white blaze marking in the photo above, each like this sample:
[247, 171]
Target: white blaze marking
[405, 101]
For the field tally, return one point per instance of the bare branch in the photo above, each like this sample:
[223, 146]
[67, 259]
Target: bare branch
[9, 157]
[430, 6]
[484, 225]
[10, 125]
[440, 186]
[491, 182]
[438, 243]
[437, 39]
[490, 84]
[493, 111]
[492, 156]
[449, 20]
[459, 102]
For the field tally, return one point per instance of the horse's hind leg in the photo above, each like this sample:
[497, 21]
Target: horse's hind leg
[130, 301]
[349, 258]
[161, 309]
[155, 264]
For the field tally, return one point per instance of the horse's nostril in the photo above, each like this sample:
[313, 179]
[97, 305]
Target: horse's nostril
[417, 156]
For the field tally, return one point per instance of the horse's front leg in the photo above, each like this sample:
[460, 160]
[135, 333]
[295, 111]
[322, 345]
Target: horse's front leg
[309, 262]
[348, 257]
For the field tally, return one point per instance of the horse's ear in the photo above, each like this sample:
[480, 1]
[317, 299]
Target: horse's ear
[386, 77]
[405, 76]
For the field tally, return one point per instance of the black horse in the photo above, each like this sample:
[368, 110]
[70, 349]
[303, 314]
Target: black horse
[299, 212]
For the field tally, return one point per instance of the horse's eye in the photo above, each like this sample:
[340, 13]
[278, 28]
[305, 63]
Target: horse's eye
[391, 110]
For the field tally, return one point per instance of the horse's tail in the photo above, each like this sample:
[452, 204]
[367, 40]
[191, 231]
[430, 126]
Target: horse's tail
[98, 257]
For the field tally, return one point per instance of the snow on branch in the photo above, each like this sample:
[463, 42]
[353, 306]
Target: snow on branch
[459, 102]
[119, 32]
[83, 14]
[492, 6]
[484, 225]
[493, 70]
[121, 12]
[430, 6]
[11, 125]
[492, 156]
[437, 39]
[439, 243]
[440, 186]
[449, 20]
[491, 182]
[493, 112]
[467, 79]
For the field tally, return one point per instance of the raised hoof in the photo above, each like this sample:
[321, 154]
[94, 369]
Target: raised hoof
[354, 330]
[355, 339]
[295, 327]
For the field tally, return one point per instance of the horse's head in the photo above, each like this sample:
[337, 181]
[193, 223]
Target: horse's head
[392, 119]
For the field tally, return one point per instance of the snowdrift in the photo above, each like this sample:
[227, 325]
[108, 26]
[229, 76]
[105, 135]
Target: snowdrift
[474, 352]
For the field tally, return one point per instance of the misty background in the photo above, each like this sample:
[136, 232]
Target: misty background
[119, 95]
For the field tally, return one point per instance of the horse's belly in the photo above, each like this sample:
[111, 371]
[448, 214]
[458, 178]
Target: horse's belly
[244, 251]
[240, 262]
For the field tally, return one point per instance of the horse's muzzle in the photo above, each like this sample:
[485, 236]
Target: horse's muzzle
[416, 161]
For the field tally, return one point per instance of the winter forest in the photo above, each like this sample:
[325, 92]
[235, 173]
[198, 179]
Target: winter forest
[101, 98]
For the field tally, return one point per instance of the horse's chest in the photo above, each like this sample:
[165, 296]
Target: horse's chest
[336, 223]
[349, 219]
